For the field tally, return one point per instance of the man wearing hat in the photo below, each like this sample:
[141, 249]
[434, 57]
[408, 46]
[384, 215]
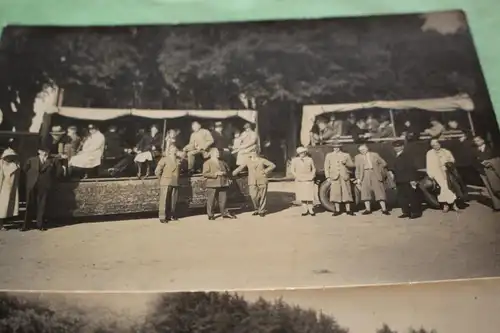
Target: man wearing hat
[221, 141]
[325, 133]
[338, 173]
[168, 170]
[216, 173]
[248, 143]
[304, 171]
[405, 174]
[56, 144]
[90, 155]
[258, 169]
[41, 173]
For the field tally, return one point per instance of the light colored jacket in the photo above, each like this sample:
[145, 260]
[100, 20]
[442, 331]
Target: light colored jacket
[337, 165]
[435, 162]
[258, 169]
[200, 140]
[91, 154]
[167, 171]
[303, 169]
[377, 163]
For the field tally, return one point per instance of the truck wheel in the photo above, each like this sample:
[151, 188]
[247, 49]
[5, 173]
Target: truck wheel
[324, 196]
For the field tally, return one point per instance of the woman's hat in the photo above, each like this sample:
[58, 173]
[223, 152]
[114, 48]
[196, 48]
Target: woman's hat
[57, 130]
[8, 152]
[337, 144]
[301, 150]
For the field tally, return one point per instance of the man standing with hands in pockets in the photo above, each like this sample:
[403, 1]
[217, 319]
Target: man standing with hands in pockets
[258, 169]
[168, 173]
[216, 173]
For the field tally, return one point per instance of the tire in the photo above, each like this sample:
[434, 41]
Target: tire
[324, 196]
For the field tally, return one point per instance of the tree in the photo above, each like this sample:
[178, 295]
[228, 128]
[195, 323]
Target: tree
[225, 312]
[34, 58]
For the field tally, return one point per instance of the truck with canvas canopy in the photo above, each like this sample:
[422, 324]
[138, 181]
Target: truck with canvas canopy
[379, 123]
[106, 194]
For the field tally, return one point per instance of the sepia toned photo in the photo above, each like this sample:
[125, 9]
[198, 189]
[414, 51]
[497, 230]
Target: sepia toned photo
[449, 307]
[246, 155]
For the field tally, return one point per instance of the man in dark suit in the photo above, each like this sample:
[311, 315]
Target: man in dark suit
[41, 173]
[216, 173]
[405, 175]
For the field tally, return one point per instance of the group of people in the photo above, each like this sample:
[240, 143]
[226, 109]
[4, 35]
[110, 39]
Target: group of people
[329, 130]
[85, 156]
[371, 176]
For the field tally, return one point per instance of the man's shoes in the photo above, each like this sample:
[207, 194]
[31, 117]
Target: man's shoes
[211, 218]
[255, 213]
[228, 216]
[350, 213]
[336, 213]
[305, 214]
[386, 212]
[403, 216]
[163, 221]
[366, 212]
[262, 214]
[312, 213]
[173, 218]
[42, 228]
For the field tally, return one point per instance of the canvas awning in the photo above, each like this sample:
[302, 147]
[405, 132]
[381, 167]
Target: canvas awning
[108, 114]
[310, 112]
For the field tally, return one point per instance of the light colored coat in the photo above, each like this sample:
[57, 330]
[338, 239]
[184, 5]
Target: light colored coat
[258, 169]
[199, 140]
[167, 171]
[91, 154]
[304, 171]
[248, 143]
[337, 165]
[9, 189]
[378, 164]
[436, 169]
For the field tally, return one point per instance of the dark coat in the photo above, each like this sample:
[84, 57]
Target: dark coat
[404, 168]
[210, 167]
[42, 176]
[147, 142]
[220, 140]
[114, 145]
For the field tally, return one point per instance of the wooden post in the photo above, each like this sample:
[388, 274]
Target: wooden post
[471, 123]
[393, 123]
[164, 134]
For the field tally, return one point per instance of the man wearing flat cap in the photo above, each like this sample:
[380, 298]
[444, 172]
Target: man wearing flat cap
[338, 166]
[41, 173]
[405, 175]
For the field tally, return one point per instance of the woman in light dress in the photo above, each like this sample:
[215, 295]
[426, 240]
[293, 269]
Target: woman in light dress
[303, 170]
[9, 185]
[436, 161]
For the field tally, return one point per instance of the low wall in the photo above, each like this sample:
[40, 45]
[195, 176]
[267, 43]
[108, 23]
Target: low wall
[116, 196]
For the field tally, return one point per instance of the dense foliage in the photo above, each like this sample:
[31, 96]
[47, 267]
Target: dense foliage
[175, 313]
[273, 65]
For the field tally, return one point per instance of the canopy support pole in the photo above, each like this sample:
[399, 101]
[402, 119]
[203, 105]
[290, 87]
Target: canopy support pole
[471, 123]
[391, 114]
[164, 135]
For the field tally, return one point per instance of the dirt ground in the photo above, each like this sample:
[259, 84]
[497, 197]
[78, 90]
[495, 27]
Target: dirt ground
[282, 249]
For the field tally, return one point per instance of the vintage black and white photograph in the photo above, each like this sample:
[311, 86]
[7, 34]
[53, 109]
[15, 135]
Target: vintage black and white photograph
[445, 307]
[297, 153]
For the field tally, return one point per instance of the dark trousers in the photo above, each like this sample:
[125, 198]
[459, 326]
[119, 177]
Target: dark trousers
[219, 194]
[408, 199]
[35, 207]
[168, 201]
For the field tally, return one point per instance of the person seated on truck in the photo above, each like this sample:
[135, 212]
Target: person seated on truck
[325, 133]
[385, 128]
[70, 145]
[358, 131]
[147, 150]
[221, 141]
[90, 155]
[249, 143]
[337, 125]
[436, 129]
[115, 148]
[410, 131]
[372, 124]
[200, 142]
